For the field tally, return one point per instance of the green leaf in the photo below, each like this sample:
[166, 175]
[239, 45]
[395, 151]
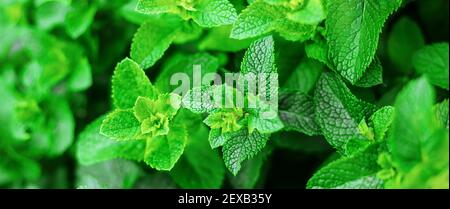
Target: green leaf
[79, 18]
[312, 13]
[431, 171]
[225, 119]
[218, 39]
[432, 61]
[441, 111]
[381, 121]
[204, 166]
[216, 139]
[212, 13]
[113, 174]
[318, 50]
[242, 145]
[154, 115]
[259, 57]
[167, 104]
[206, 13]
[339, 112]
[252, 171]
[152, 39]
[256, 19]
[93, 147]
[264, 125]
[353, 27]
[143, 108]
[128, 83]
[297, 112]
[373, 75]
[156, 6]
[294, 31]
[162, 152]
[413, 124]
[181, 63]
[121, 125]
[261, 17]
[354, 172]
[197, 104]
[403, 41]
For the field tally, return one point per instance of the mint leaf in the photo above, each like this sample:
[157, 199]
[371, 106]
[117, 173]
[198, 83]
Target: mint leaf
[339, 112]
[128, 83]
[218, 40]
[256, 19]
[156, 6]
[151, 122]
[431, 171]
[212, 13]
[353, 27]
[152, 39]
[121, 125]
[297, 113]
[413, 124]
[259, 58]
[162, 152]
[294, 31]
[199, 104]
[432, 61]
[312, 13]
[204, 174]
[262, 17]
[381, 121]
[93, 147]
[216, 139]
[240, 146]
[354, 172]
[373, 75]
[225, 119]
[206, 13]
[167, 104]
[318, 50]
[252, 171]
[264, 125]
[182, 63]
[403, 41]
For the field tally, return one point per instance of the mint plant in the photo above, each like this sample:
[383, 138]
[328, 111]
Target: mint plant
[316, 94]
